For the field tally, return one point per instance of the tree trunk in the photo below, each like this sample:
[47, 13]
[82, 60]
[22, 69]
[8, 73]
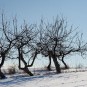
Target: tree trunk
[66, 67]
[57, 66]
[22, 59]
[2, 76]
[49, 66]
[27, 71]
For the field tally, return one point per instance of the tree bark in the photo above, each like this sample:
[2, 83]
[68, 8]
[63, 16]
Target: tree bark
[27, 71]
[49, 66]
[22, 59]
[66, 67]
[57, 66]
[2, 76]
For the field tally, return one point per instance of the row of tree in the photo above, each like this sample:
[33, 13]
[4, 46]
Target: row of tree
[53, 40]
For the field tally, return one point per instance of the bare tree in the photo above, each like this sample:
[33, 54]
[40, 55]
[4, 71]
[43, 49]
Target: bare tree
[76, 45]
[25, 40]
[57, 41]
[19, 39]
[53, 40]
[6, 43]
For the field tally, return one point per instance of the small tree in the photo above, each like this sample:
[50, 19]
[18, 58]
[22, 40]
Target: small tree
[6, 43]
[57, 41]
[25, 40]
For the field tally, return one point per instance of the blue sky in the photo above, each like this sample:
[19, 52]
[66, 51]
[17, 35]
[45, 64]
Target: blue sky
[32, 10]
[75, 11]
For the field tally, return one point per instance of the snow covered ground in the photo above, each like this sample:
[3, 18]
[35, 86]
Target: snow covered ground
[69, 79]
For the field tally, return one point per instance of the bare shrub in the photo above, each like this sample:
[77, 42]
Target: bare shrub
[12, 70]
[79, 66]
[64, 68]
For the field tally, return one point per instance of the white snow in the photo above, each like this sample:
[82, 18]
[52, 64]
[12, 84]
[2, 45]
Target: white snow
[72, 79]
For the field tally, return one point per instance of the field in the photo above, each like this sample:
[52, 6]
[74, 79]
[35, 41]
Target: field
[43, 78]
